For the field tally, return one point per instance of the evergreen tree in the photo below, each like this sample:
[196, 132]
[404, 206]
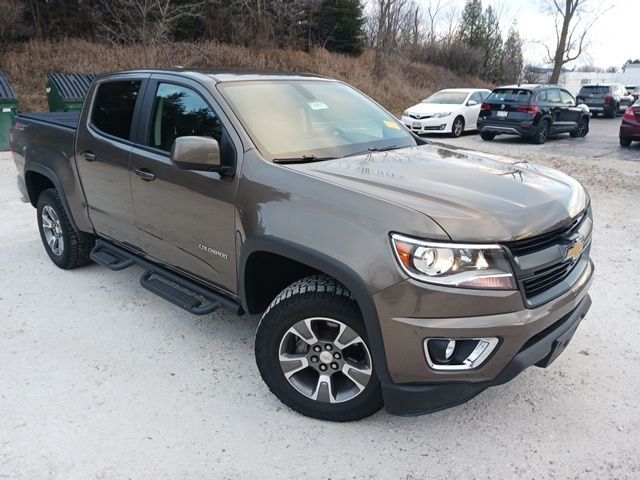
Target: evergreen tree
[472, 25]
[339, 26]
[513, 58]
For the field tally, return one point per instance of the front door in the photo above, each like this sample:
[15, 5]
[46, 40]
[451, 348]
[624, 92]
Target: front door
[185, 219]
[570, 113]
[103, 150]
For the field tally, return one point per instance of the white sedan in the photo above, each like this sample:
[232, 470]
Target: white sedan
[451, 111]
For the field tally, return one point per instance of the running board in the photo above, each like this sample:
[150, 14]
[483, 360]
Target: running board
[181, 291]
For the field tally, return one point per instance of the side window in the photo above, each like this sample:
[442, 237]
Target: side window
[113, 107]
[179, 111]
[567, 98]
[553, 96]
[477, 98]
[542, 97]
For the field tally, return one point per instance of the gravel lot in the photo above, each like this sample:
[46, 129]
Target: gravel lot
[101, 379]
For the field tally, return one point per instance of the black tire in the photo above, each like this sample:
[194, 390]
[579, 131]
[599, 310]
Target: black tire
[542, 133]
[625, 142]
[613, 113]
[312, 297]
[583, 128]
[488, 136]
[75, 248]
[457, 128]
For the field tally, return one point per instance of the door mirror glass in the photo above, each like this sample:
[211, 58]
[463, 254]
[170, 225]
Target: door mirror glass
[471, 103]
[197, 153]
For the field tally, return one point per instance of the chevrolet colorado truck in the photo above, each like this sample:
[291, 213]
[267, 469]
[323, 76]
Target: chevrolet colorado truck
[387, 270]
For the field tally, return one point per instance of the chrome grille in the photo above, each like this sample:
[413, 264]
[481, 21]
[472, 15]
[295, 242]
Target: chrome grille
[531, 245]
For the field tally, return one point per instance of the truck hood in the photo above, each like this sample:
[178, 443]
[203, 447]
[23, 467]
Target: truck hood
[473, 197]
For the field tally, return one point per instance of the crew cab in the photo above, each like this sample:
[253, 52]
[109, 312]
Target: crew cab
[386, 270]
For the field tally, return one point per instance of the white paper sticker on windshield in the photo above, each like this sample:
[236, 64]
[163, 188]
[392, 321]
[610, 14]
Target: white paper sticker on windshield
[5, 110]
[318, 106]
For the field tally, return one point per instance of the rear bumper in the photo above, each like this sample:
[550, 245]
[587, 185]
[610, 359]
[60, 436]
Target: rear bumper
[524, 129]
[630, 131]
[540, 350]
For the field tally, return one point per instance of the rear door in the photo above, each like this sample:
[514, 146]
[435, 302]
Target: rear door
[103, 148]
[185, 219]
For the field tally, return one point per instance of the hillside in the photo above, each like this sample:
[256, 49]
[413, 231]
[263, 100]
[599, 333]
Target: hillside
[403, 84]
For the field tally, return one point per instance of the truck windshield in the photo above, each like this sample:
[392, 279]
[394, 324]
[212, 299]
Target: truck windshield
[312, 119]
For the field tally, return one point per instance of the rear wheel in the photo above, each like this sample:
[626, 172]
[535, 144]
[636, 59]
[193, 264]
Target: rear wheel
[487, 135]
[625, 142]
[613, 112]
[64, 246]
[582, 129]
[458, 127]
[312, 352]
[542, 134]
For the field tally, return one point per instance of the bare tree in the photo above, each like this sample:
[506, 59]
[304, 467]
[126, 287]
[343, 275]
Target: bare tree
[573, 21]
[11, 20]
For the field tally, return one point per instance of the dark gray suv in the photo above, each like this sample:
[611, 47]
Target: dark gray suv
[610, 99]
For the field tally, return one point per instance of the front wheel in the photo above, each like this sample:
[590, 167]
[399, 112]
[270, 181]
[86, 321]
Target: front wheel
[458, 127]
[313, 354]
[582, 129]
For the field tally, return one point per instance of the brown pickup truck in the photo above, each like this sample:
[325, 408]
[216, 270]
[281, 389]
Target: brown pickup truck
[387, 270]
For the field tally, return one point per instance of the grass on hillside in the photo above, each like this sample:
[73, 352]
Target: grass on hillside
[403, 83]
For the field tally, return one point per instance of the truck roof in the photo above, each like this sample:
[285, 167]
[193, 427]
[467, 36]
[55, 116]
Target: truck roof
[226, 75]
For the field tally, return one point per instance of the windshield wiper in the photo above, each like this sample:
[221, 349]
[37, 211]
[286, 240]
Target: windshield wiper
[373, 149]
[302, 159]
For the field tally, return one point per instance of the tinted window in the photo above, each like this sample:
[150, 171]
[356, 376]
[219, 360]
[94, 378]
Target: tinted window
[179, 112]
[567, 98]
[594, 90]
[113, 107]
[553, 96]
[510, 95]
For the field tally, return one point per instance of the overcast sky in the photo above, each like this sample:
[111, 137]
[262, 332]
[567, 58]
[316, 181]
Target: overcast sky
[613, 40]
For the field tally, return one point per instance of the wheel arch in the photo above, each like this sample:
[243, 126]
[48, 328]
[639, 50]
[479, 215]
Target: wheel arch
[39, 177]
[308, 261]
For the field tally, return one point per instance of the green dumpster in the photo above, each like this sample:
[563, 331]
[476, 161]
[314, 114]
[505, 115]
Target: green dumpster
[66, 91]
[8, 110]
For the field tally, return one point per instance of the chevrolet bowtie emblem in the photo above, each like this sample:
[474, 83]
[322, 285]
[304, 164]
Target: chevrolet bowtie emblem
[575, 251]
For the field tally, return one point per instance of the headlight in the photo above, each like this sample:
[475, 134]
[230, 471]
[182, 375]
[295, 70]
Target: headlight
[454, 265]
[405, 113]
[440, 115]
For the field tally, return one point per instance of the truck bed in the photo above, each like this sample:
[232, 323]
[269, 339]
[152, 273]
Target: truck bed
[60, 119]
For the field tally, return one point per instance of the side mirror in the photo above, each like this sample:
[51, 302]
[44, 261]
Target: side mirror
[471, 103]
[579, 101]
[197, 153]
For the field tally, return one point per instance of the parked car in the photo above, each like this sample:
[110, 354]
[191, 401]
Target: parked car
[610, 99]
[385, 269]
[634, 91]
[451, 111]
[630, 127]
[532, 111]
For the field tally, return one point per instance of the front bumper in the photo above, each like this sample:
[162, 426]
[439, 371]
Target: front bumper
[540, 350]
[528, 336]
[428, 125]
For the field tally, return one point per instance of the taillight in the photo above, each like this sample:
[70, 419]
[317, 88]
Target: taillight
[485, 107]
[608, 99]
[629, 114]
[528, 109]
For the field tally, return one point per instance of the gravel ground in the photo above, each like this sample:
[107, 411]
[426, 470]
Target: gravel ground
[101, 379]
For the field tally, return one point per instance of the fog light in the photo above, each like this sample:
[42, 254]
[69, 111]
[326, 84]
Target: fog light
[458, 354]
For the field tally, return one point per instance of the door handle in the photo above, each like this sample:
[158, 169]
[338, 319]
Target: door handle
[144, 174]
[88, 155]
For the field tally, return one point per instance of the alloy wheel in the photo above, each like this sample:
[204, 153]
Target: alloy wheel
[325, 360]
[52, 230]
